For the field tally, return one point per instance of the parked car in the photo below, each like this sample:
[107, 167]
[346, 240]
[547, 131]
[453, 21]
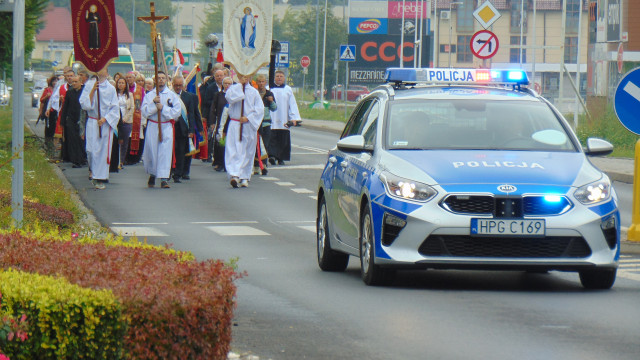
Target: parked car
[36, 91]
[5, 93]
[354, 92]
[465, 169]
[28, 75]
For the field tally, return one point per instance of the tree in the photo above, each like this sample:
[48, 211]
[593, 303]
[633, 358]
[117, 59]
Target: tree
[211, 24]
[34, 10]
[298, 27]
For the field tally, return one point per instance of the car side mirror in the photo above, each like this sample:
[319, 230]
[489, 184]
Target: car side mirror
[598, 147]
[353, 143]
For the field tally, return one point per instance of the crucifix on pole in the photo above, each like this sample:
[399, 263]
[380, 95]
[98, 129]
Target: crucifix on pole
[153, 20]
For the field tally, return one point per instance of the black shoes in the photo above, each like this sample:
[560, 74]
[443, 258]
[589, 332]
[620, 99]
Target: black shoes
[152, 181]
[186, 177]
[272, 160]
[164, 185]
[280, 162]
[176, 179]
[265, 171]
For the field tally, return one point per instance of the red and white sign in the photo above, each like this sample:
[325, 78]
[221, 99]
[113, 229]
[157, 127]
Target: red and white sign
[484, 44]
[368, 26]
[410, 9]
[305, 61]
[620, 58]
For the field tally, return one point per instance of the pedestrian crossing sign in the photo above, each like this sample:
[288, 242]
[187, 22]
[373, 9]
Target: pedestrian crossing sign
[347, 53]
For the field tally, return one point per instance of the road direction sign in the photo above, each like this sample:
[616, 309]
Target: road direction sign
[347, 53]
[626, 101]
[305, 61]
[486, 14]
[484, 44]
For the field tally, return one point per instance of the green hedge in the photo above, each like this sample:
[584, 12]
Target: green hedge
[65, 321]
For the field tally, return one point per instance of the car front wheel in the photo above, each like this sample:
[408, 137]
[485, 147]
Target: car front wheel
[371, 273]
[328, 259]
[598, 279]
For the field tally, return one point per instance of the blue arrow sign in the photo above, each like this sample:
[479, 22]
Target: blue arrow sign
[627, 101]
[347, 53]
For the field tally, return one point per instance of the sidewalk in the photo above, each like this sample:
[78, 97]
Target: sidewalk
[618, 169]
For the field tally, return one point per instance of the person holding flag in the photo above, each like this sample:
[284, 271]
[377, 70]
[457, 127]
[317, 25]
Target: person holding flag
[161, 107]
[103, 115]
[246, 111]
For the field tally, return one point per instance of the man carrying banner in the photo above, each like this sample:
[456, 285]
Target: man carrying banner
[103, 115]
[245, 113]
[158, 152]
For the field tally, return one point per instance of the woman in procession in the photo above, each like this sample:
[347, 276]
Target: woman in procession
[126, 105]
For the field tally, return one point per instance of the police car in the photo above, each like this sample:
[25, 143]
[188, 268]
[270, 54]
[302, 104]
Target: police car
[465, 169]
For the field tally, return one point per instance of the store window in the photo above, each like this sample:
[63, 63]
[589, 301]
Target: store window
[464, 54]
[514, 52]
[517, 15]
[571, 49]
[573, 16]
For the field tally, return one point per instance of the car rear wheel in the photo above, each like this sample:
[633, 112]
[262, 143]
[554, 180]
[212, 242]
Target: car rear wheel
[328, 259]
[600, 279]
[371, 273]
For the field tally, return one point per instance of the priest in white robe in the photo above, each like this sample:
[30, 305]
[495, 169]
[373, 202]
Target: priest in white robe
[99, 147]
[158, 154]
[279, 148]
[240, 150]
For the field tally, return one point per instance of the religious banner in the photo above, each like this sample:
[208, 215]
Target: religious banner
[95, 40]
[247, 28]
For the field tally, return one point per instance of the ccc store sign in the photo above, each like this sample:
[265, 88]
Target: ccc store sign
[383, 50]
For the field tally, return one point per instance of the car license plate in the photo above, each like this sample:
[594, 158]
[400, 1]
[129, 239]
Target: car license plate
[507, 227]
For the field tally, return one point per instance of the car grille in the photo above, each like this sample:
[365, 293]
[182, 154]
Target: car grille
[505, 247]
[513, 206]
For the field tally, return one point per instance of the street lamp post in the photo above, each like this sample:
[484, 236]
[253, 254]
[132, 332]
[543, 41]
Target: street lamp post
[324, 51]
[193, 8]
[451, 26]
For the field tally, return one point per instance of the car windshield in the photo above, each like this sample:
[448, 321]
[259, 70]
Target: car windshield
[475, 124]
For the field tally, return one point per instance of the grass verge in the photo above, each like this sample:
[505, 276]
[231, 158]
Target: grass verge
[609, 128]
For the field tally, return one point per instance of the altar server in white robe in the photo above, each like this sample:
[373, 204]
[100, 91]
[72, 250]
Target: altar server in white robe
[158, 156]
[239, 152]
[99, 147]
[287, 114]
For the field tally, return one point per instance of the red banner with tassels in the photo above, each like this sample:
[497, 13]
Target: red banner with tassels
[95, 39]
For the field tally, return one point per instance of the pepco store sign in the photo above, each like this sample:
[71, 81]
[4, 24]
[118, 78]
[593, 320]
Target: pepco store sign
[368, 26]
[382, 50]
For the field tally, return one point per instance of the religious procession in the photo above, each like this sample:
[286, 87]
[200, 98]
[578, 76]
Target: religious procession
[231, 115]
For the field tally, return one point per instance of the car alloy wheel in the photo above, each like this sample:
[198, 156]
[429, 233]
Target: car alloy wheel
[328, 259]
[371, 273]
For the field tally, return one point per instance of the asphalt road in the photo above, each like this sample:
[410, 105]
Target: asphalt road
[289, 309]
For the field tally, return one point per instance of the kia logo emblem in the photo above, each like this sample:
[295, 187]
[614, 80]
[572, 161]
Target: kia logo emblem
[507, 188]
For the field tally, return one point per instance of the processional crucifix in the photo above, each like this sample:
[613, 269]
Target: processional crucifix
[153, 20]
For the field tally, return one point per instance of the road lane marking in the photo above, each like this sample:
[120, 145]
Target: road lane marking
[140, 223]
[633, 90]
[285, 183]
[311, 228]
[269, 178]
[306, 153]
[297, 167]
[302, 191]
[237, 231]
[310, 148]
[138, 231]
[222, 222]
[295, 221]
[314, 197]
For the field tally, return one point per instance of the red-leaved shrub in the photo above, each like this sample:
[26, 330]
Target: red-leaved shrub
[58, 216]
[176, 310]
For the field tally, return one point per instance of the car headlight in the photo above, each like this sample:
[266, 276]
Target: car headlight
[407, 189]
[35, 95]
[594, 193]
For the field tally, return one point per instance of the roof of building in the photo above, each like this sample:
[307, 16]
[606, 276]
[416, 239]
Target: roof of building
[57, 27]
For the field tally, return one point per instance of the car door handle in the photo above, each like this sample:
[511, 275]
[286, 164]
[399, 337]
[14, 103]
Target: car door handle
[344, 164]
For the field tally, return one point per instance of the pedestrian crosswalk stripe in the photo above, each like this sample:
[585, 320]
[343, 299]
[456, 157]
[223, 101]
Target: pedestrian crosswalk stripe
[285, 183]
[138, 231]
[237, 231]
[302, 191]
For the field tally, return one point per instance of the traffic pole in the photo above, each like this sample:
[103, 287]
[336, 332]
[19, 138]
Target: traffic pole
[17, 141]
[633, 234]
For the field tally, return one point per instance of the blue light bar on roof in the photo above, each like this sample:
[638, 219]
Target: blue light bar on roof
[450, 76]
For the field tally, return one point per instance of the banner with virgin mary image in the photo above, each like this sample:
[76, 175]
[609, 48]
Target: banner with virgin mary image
[247, 28]
[95, 40]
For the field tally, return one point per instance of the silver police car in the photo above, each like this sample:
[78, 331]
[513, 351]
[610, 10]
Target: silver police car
[465, 169]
